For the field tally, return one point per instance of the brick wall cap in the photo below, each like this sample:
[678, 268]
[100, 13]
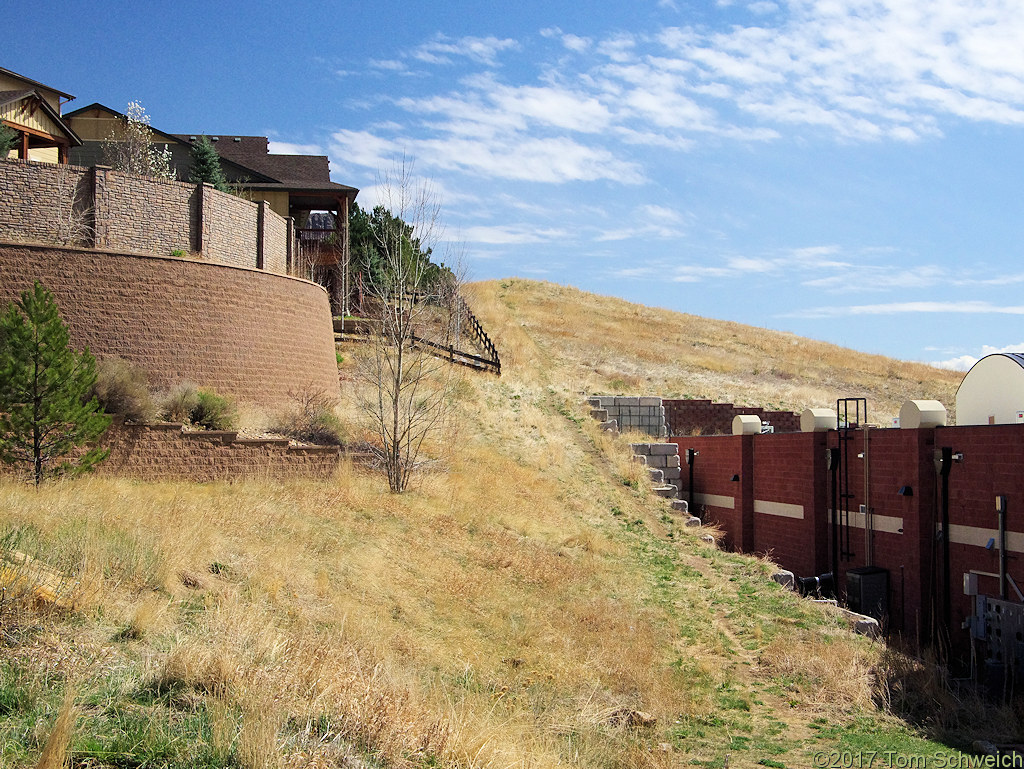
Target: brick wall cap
[314, 450]
[227, 436]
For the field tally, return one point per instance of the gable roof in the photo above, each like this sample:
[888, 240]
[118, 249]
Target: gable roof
[249, 159]
[35, 83]
[13, 97]
[164, 137]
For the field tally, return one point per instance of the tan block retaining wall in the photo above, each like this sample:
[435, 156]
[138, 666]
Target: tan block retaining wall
[249, 334]
[155, 452]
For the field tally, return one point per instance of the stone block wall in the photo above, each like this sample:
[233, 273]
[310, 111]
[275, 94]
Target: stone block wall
[274, 241]
[157, 452]
[35, 198]
[663, 464]
[644, 414]
[141, 214]
[101, 208]
[229, 233]
[246, 333]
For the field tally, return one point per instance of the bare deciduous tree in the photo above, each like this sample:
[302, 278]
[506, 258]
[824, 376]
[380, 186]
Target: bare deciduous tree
[407, 381]
[73, 213]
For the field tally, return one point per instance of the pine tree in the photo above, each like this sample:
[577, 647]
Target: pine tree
[44, 414]
[206, 165]
[9, 140]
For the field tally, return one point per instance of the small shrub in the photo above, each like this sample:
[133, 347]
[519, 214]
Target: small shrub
[213, 411]
[179, 403]
[198, 407]
[123, 388]
[312, 419]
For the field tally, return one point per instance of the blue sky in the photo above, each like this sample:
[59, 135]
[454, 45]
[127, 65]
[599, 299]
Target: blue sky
[848, 170]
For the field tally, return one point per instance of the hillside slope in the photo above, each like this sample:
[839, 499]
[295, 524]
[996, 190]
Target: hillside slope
[599, 344]
[529, 603]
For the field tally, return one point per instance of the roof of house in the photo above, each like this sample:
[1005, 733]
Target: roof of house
[306, 172]
[9, 97]
[251, 160]
[35, 83]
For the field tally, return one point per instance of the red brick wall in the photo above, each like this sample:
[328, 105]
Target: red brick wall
[246, 333]
[993, 464]
[165, 452]
[790, 518]
[790, 469]
[720, 458]
[684, 417]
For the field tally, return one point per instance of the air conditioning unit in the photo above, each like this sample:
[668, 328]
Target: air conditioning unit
[867, 591]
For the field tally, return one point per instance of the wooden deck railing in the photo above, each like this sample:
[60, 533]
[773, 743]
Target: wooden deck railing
[489, 361]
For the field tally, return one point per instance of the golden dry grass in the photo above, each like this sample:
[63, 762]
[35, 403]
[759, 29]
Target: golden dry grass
[520, 606]
[601, 344]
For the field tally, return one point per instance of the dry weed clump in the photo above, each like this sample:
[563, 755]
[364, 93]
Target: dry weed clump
[920, 691]
[830, 672]
[55, 750]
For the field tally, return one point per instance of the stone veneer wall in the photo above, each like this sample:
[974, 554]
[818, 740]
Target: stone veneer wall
[156, 452]
[101, 208]
[229, 228]
[275, 240]
[138, 213]
[246, 333]
[36, 196]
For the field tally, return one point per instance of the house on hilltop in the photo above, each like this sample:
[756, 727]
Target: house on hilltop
[292, 185]
[33, 110]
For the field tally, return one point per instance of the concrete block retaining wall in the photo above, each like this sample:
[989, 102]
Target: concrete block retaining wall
[644, 414]
[155, 452]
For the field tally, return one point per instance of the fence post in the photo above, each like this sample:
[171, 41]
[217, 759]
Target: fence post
[261, 218]
[100, 218]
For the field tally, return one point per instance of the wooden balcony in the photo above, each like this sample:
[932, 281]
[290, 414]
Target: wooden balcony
[326, 247]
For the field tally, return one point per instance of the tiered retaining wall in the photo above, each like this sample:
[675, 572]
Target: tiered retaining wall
[157, 452]
[105, 209]
[703, 417]
[255, 336]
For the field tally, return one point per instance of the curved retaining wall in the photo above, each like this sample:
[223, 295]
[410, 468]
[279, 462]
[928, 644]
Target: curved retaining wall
[246, 333]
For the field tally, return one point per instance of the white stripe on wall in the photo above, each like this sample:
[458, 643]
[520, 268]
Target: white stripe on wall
[715, 500]
[783, 509]
[979, 537]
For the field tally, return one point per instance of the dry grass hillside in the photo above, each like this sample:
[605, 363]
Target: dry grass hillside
[529, 603]
[599, 344]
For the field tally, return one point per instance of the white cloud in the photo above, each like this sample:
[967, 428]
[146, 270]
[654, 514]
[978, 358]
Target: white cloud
[288, 148]
[964, 362]
[858, 70]
[442, 49]
[391, 65]
[503, 235]
[975, 307]
[553, 160]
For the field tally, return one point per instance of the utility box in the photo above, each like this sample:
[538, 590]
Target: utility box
[867, 591]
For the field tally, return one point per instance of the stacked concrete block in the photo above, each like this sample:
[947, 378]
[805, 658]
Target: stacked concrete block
[662, 461]
[644, 414]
